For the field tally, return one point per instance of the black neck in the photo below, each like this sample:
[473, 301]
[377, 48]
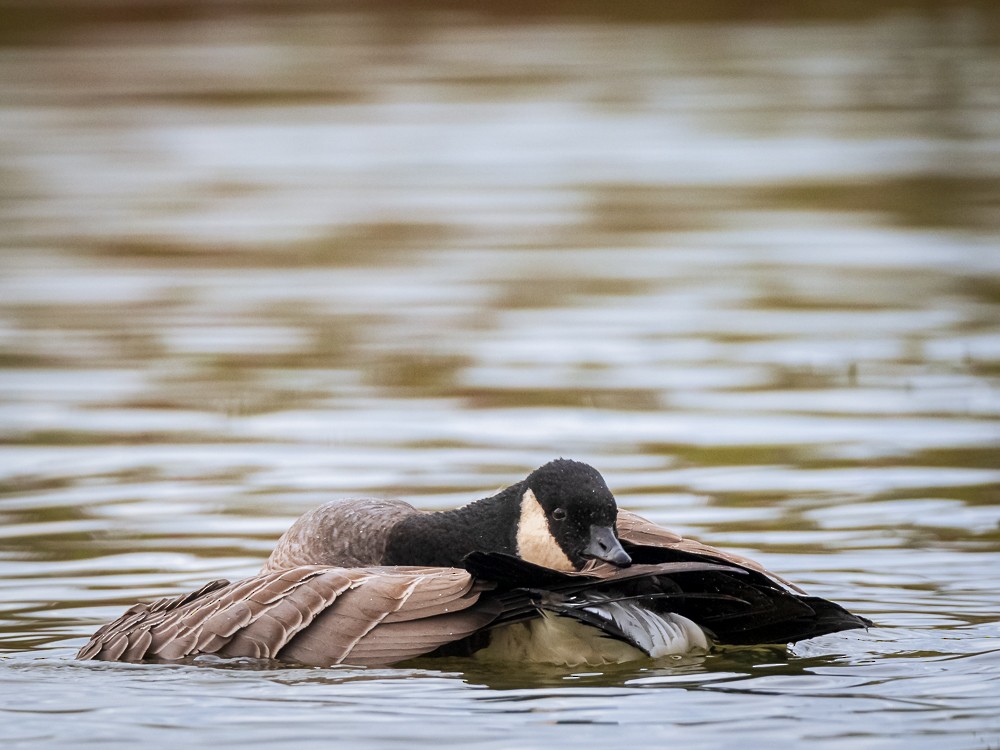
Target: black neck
[444, 538]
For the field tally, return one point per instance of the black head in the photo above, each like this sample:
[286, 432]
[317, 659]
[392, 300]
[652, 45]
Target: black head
[568, 517]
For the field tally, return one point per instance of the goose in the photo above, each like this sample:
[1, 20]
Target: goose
[548, 570]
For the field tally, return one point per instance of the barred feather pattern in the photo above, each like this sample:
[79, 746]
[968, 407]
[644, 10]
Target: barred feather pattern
[312, 615]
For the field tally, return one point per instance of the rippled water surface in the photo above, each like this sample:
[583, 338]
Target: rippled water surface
[251, 261]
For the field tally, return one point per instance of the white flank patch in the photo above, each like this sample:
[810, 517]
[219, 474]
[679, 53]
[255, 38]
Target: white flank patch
[535, 542]
[658, 634]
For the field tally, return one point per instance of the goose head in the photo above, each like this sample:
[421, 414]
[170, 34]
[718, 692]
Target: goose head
[567, 518]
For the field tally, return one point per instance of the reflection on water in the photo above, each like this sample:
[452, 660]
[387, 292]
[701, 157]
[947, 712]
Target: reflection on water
[255, 259]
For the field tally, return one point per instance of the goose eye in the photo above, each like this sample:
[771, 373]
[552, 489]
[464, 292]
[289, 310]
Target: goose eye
[559, 514]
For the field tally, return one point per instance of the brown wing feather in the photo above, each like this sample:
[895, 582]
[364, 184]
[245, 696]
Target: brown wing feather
[635, 529]
[111, 640]
[315, 615]
[397, 615]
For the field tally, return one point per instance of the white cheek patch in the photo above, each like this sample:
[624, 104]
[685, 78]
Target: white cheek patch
[535, 542]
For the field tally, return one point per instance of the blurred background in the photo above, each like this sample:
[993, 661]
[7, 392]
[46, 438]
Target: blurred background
[743, 258]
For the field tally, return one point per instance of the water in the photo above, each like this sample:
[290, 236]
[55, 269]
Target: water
[749, 270]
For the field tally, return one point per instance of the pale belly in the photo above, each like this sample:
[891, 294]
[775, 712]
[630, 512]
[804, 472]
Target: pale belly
[555, 639]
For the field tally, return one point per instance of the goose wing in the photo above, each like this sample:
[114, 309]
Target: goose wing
[635, 530]
[739, 603]
[773, 610]
[313, 615]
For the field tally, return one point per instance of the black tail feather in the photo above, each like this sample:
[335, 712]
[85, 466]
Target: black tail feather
[738, 606]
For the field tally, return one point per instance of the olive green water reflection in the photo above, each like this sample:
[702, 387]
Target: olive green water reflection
[255, 258]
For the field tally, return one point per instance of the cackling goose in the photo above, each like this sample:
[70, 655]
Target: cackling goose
[547, 570]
